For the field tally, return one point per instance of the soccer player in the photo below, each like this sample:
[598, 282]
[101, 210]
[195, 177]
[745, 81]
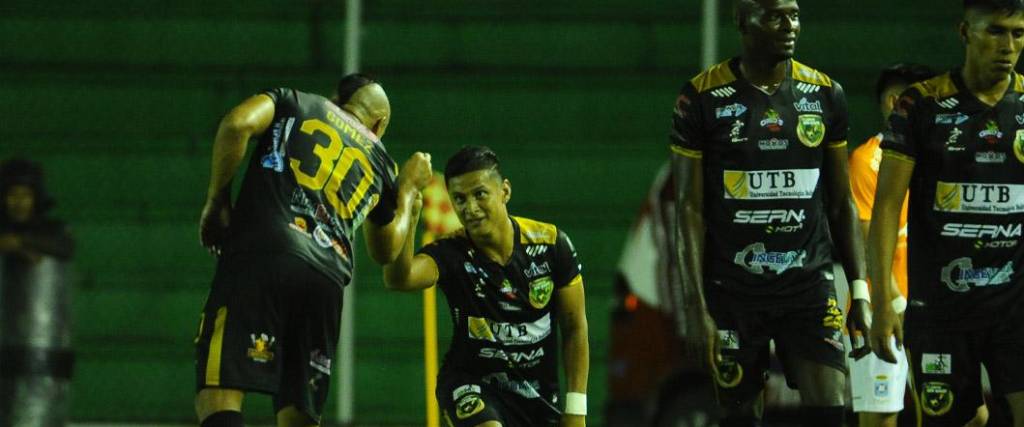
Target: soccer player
[764, 211]
[511, 283]
[877, 386]
[956, 142]
[270, 323]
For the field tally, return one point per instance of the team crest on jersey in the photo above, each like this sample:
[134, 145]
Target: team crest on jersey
[540, 292]
[810, 128]
[468, 401]
[936, 398]
[1018, 145]
[729, 373]
[261, 348]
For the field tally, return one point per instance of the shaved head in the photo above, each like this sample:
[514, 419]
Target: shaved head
[370, 105]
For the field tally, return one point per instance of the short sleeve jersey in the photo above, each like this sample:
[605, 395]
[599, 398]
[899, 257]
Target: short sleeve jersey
[762, 158]
[966, 200]
[316, 174]
[505, 317]
[864, 162]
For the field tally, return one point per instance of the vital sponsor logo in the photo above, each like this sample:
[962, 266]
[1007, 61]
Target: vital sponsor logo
[810, 129]
[991, 134]
[735, 134]
[755, 259]
[993, 199]
[772, 120]
[734, 110]
[484, 329]
[990, 157]
[936, 363]
[960, 275]
[981, 231]
[773, 144]
[804, 106]
[770, 184]
[262, 348]
[535, 270]
[526, 359]
[951, 119]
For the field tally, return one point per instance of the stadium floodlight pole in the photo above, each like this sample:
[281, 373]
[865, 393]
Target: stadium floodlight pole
[346, 345]
[709, 40]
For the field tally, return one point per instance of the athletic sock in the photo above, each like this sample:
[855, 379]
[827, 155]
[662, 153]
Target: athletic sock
[223, 419]
[823, 416]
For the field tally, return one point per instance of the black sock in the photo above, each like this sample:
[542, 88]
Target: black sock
[223, 419]
[739, 422]
[823, 416]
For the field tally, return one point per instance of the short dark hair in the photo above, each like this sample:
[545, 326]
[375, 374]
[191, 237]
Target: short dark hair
[471, 158]
[1009, 6]
[19, 171]
[351, 83]
[901, 74]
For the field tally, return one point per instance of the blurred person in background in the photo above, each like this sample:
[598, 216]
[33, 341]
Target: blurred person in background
[272, 319]
[956, 141]
[764, 211]
[26, 230]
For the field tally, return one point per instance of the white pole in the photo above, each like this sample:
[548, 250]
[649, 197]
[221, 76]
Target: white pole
[709, 40]
[346, 345]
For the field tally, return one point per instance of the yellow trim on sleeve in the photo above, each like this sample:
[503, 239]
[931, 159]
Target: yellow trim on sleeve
[536, 232]
[897, 156]
[695, 154]
[216, 347]
[576, 281]
[716, 76]
[807, 74]
[837, 144]
[938, 87]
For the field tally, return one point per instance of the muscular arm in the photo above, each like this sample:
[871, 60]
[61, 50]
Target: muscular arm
[250, 118]
[385, 243]
[408, 272]
[893, 180]
[572, 320]
[842, 213]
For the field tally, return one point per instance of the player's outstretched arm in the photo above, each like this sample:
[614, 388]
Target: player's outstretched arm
[250, 118]
[572, 320]
[844, 224]
[385, 242]
[893, 180]
[410, 273]
[701, 331]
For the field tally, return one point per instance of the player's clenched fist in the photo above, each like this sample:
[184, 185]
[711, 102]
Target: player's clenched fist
[416, 171]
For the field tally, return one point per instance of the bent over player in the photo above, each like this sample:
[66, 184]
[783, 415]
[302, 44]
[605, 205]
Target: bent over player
[512, 283]
[957, 142]
[759, 145]
[271, 321]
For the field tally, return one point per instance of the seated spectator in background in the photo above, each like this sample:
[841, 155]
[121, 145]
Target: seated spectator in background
[25, 229]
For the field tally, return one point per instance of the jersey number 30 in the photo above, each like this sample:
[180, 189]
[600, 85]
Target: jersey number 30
[336, 160]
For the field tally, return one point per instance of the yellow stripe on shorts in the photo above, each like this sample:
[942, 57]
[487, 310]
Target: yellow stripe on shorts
[216, 346]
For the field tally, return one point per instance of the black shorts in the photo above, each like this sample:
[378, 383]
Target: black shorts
[270, 325]
[467, 401]
[813, 332]
[946, 368]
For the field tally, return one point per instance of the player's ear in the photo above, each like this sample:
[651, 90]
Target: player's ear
[506, 190]
[962, 29]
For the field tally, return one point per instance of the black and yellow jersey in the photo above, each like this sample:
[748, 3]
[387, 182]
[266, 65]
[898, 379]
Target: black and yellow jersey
[966, 200]
[505, 317]
[762, 155]
[316, 174]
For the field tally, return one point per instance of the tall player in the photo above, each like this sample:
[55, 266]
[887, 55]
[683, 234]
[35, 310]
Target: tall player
[513, 284]
[957, 142]
[271, 321]
[759, 145]
[878, 386]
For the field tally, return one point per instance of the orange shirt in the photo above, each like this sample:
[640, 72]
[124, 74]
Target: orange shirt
[863, 180]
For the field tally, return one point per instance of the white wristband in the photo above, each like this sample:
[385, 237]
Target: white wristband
[860, 290]
[575, 403]
[899, 304]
